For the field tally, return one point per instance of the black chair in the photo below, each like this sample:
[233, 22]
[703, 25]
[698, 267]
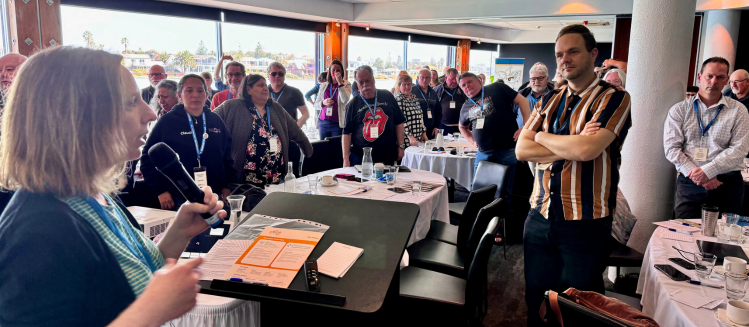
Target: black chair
[623, 256]
[450, 183]
[445, 298]
[335, 153]
[574, 314]
[487, 173]
[317, 162]
[476, 200]
[453, 259]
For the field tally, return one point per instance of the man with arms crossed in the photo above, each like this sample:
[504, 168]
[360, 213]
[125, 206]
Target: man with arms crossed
[574, 197]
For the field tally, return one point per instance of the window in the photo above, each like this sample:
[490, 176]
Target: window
[482, 62]
[181, 45]
[429, 56]
[383, 55]
[257, 47]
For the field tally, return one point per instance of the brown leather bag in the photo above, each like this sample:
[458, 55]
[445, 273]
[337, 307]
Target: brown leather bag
[602, 304]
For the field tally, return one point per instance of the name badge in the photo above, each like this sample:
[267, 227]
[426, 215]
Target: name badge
[543, 166]
[429, 114]
[374, 132]
[452, 104]
[700, 154]
[273, 143]
[200, 176]
[480, 123]
[329, 111]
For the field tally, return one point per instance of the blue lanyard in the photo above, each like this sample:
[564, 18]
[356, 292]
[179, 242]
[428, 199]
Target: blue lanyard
[423, 96]
[567, 118]
[143, 255]
[267, 111]
[482, 100]
[332, 91]
[699, 119]
[194, 138]
[452, 96]
[373, 111]
[229, 95]
[279, 94]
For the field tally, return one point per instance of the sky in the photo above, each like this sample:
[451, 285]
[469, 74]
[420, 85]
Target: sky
[173, 35]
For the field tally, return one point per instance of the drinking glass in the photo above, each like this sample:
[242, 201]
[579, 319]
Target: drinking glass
[461, 151]
[312, 181]
[396, 167]
[721, 232]
[428, 145]
[456, 136]
[736, 286]
[390, 178]
[235, 203]
[734, 232]
[743, 240]
[416, 188]
[704, 263]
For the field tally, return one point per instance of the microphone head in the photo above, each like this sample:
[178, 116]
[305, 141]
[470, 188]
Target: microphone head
[162, 155]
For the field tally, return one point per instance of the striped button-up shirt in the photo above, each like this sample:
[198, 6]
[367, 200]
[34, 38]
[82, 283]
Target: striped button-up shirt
[727, 140]
[581, 189]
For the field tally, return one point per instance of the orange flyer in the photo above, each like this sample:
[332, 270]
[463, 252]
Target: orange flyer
[274, 257]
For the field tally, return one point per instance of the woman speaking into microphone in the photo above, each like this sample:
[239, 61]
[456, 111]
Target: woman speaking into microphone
[70, 253]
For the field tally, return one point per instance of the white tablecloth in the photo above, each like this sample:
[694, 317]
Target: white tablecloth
[445, 164]
[218, 311]
[655, 287]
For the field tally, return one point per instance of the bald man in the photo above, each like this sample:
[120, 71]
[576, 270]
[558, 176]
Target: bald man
[9, 64]
[739, 82]
[155, 75]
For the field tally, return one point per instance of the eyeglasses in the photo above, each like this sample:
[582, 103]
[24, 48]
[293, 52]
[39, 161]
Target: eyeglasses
[279, 74]
[156, 75]
[536, 79]
[737, 82]
[234, 75]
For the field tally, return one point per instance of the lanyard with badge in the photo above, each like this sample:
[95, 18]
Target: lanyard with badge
[200, 172]
[374, 131]
[273, 141]
[332, 91]
[142, 254]
[452, 96]
[480, 119]
[567, 117]
[279, 94]
[429, 109]
[700, 153]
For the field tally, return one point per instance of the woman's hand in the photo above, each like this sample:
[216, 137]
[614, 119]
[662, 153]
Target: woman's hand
[424, 137]
[327, 102]
[413, 140]
[166, 201]
[170, 294]
[591, 128]
[188, 221]
[338, 79]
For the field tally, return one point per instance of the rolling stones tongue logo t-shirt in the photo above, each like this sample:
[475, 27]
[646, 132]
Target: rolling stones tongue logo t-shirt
[374, 130]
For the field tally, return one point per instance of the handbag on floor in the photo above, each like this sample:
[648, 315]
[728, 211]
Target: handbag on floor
[616, 311]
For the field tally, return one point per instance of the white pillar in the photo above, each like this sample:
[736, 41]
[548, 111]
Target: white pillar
[659, 51]
[720, 35]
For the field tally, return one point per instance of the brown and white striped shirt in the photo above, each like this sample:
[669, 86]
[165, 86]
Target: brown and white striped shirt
[581, 189]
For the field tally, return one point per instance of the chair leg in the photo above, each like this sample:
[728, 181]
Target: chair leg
[504, 238]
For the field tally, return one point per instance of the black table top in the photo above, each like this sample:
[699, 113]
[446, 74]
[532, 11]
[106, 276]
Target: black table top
[381, 228]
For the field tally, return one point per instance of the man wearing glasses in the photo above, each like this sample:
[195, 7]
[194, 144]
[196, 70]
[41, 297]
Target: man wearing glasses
[739, 83]
[707, 138]
[235, 73]
[155, 75]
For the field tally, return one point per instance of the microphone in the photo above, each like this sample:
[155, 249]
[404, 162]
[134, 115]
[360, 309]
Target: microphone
[167, 162]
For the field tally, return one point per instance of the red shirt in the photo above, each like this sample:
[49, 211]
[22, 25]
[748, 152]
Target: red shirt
[220, 97]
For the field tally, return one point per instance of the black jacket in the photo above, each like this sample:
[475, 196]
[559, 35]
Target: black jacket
[174, 130]
[147, 93]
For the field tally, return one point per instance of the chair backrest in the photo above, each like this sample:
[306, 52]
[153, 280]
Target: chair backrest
[489, 173]
[450, 189]
[315, 163]
[575, 314]
[476, 281]
[477, 199]
[335, 152]
[495, 209]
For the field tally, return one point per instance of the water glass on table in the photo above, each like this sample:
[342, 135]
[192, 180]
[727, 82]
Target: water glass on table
[456, 136]
[312, 181]
[460, 151]
[416, 188]
[721, 232]
[736, 286]
[235, 203]
[390, 179]
[394, 169]
[703, 264]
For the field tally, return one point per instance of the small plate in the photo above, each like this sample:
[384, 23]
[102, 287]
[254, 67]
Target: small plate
[329, 185]
[721, 316]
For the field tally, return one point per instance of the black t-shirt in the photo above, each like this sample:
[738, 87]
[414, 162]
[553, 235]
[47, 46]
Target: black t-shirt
[745, 100]
[451, 116]
[359, 123]
[499, 119]
[290, 98]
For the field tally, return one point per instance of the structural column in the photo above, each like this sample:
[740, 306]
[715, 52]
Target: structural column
[336, 44]
[660, 42]
[33, 25]
[462, 55]
[720, 35]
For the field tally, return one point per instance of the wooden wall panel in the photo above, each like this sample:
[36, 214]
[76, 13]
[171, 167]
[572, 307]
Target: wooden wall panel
[462, 55]
[27, 27]
[26, 17]
[49, 14]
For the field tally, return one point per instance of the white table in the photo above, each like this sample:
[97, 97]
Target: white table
[456, 167]
[655, 286]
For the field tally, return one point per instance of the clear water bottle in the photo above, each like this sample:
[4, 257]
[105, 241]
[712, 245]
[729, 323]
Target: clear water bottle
[367, 164]
[289, 184]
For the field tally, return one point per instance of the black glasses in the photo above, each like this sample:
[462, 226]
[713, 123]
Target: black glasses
[279, 74]
[738, 81]
[156, 75]
[536, 79]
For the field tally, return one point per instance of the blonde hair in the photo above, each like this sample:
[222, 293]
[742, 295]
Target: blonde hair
[68, 140]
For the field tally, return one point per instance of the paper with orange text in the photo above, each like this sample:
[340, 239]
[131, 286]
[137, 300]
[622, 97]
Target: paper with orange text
[275, 256]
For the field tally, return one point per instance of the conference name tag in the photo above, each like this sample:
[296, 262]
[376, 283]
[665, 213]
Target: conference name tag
[700, 154]
[452, 104]
[329, 112]
[374, 132]
[273, 143]
[201, 177]
[543, 166]
[429, 114]
[480, 123]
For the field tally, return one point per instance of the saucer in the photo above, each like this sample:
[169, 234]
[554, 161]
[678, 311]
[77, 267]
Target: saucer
[334, 183]
[721, 315]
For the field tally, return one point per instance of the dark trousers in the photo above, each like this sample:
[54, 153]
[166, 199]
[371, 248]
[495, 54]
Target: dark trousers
[504, 157]
[329, 128]
[447, 130]
[560, 254]
[690, 197]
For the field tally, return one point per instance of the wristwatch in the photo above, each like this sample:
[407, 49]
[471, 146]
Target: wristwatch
[402, 146]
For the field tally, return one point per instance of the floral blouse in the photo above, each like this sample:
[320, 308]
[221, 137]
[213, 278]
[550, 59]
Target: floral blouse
[414, 116]
[261, 166]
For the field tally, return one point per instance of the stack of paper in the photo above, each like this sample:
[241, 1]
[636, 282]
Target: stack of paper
[337, 260]
[675, 236]
[695, 300]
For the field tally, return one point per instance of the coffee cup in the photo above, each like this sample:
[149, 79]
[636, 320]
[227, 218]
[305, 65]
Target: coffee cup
[327, 180]
[734, 265]
[738, 312]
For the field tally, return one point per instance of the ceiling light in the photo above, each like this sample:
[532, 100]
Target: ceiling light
[367, 27]
[479, 42]
[338, 24]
